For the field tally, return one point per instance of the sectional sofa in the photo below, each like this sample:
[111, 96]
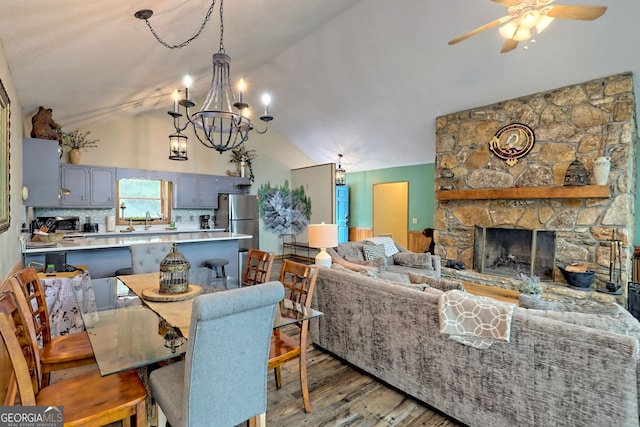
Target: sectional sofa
[559, 368]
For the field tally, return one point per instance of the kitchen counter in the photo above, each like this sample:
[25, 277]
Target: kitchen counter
[105, 255]
[130, 238]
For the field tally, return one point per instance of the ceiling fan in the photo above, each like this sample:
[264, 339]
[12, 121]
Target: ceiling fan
[525, 18]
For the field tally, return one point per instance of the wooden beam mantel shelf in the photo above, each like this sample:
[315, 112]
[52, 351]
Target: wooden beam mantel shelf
[560, 192]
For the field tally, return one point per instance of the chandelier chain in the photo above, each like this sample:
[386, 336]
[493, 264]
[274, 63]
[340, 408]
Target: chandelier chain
[192, 38]
[221, 48]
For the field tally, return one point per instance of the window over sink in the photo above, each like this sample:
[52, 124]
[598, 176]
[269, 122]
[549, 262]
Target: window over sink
[137, 197]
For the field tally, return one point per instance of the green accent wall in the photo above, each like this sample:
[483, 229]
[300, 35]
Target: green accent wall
[422, 200]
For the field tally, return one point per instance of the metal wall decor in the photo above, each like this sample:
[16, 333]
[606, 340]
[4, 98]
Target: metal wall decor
[512, 142]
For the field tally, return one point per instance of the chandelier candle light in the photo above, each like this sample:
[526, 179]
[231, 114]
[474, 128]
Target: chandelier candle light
[222, 123]
[323, 236]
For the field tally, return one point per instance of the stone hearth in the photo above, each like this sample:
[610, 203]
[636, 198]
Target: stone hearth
[578, 122]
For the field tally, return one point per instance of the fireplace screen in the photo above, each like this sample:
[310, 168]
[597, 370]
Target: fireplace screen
[508, 252]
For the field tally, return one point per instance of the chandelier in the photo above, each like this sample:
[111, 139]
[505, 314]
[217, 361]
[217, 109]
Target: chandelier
[222, 123]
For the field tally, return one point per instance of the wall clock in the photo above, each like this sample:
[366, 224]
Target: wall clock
[512, 142]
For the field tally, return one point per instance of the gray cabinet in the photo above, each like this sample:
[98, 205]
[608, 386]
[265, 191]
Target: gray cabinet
[232, 185]
[88, 186]
[195, 191]
[41, 170]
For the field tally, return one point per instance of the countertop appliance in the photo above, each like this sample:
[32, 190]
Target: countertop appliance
[204, 222]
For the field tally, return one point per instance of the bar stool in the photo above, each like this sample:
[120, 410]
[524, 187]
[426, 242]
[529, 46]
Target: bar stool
[216, 265]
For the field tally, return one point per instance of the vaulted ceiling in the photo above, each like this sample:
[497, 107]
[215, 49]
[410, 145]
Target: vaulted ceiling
[365, 78]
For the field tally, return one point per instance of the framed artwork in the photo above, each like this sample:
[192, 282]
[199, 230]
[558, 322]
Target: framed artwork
[5, 133]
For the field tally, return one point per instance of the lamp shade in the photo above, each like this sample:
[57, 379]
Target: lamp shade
[323, 235]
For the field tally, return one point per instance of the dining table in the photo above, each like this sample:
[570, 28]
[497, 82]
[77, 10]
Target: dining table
[136, 336]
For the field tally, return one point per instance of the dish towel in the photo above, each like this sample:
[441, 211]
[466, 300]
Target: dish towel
[473, 320]
[389, 246]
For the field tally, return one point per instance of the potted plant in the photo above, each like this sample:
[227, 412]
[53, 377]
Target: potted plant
[243, 157]
[530, 285]
[77, 140]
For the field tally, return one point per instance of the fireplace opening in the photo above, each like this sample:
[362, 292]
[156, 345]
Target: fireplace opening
[508, 252]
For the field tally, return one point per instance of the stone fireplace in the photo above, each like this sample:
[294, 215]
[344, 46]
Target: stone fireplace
[579, 122]
[510, 252]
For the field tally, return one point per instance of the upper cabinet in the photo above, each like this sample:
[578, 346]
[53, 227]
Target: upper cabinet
[41, 171]
[88, 186]
[195, 191]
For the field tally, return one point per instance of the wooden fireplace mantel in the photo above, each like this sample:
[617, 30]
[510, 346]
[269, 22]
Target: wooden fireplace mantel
[558, 192]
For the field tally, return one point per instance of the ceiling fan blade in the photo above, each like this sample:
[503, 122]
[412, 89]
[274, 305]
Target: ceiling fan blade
[509, 45]
[507, 3]
[587, 13]
[480, 29]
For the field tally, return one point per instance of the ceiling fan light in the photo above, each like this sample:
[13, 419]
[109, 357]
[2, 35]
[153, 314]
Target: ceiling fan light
[522, 34]
[530, 19]
[508, 30]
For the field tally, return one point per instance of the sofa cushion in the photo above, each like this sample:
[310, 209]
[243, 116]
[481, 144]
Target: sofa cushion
[356, 269]
[624, 324]
[587, 307]
[437, 283]
[351, 251]
[379, 263]
[373, 252]
[413, 260]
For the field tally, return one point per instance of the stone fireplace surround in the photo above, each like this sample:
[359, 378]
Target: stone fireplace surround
[581, 121]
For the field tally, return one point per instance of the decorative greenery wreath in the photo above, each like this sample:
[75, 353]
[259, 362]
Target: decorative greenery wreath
[283, 209]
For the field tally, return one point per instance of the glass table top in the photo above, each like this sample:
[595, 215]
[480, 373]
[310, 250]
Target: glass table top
[134, 336]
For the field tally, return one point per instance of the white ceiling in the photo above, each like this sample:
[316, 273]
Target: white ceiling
[365, 78]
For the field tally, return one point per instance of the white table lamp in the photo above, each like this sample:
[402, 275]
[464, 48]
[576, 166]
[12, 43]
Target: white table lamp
[323, 236]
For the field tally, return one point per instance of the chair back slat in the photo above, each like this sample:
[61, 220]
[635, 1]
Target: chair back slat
[36, 300]
[257, 268]
[13, 306]
[299, 281]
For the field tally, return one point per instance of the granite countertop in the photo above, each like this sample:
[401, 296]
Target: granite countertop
[125, 239]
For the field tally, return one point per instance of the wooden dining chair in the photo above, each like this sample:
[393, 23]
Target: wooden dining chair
[88, 399]
[299, 282]
[257, 269]
[63, 352]
[223, 379]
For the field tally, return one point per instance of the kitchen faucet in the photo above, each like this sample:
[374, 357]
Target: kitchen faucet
[147, 220]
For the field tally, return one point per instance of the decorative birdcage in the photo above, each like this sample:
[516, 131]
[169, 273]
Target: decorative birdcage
[174, 273]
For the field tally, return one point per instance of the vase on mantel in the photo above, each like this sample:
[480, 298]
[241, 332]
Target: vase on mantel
[243, 169]
[601, 168]
[74, 156]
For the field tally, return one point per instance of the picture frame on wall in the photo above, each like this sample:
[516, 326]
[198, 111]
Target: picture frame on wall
[5, 136]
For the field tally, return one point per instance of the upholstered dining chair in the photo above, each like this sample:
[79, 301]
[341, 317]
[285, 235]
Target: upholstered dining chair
[223, 379]
[299, 282]
[257, 269]
[88, 399]
[146, 257]
[63, 352]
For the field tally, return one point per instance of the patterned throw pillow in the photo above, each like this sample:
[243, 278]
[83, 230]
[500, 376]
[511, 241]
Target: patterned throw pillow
[373, 251]
[437, 283]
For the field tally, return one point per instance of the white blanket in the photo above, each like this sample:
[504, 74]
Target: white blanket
[473, 320]
[389, 246]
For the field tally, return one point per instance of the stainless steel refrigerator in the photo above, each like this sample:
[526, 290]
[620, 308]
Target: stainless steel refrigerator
[238, 213]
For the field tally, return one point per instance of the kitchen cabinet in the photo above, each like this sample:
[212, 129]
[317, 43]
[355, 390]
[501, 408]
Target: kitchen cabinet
[195, 191]
[41, 171]
[232, 185]
[88, 186]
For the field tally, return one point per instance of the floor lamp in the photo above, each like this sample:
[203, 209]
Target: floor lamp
[323, 236]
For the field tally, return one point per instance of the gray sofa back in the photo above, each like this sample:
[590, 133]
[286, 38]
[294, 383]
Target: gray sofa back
[550, 373]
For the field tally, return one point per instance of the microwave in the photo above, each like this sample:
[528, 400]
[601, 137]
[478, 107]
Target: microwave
[63, 223]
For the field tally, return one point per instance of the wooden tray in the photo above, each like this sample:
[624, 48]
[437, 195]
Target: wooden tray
[153, 294]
